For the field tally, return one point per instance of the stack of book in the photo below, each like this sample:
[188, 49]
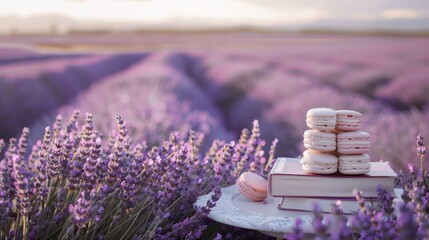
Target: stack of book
[300, 190]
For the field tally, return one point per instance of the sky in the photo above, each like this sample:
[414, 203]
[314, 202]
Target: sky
[221, 12]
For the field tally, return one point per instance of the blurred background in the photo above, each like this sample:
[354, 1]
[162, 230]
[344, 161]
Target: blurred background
[215, 66]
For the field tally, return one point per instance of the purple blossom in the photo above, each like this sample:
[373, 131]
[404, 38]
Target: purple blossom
[191, 228]
[421, 151]
[59, 201]
[385, 200]
[89, 180]
[55, 159]
[320, 224]
[406, 223]
[5, 193]
[297, 232]
[339, 228]
[81, 212]
[22, 143]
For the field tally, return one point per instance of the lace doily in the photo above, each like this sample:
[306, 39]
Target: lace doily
[236, 210]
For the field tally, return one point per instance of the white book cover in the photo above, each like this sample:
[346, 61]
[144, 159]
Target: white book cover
[287, 179]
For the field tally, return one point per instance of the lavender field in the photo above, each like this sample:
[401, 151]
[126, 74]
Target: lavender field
[144, 94]
[221, 88]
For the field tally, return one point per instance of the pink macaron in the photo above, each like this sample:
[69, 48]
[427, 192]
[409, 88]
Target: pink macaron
[356, 142]
[253, 186]
[348, 120]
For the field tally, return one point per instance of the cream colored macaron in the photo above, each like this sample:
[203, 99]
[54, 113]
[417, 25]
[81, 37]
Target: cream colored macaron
[356, 142]
[319, 162]
[320, 141]
[348, 120]
[354, 164]
[322, 119]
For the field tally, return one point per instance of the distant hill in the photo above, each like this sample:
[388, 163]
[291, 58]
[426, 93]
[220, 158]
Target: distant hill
[57, 24]
[408, 25]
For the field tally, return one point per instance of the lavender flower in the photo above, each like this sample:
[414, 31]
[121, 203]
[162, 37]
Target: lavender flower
[85, 142]
[339, 229]
[406, 223]
[89, 180]
[72, 124]
[59, 201]
[191, 228]
[271, 159]
[254, 149]
[421, 151]
[57, 128]
[22, 144]
[320, 224]
[385, 200]
[223, 167]
[420, 200]
[23, 188]
[55, 159]
[5, 193]
[81, 211]
[297, 232]
[2, 144]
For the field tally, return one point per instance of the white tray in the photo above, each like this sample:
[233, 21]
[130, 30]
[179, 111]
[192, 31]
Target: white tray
[236, 210]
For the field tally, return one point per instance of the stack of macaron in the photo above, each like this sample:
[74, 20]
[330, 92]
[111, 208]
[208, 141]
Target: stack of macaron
[335, 143]
[352, 144]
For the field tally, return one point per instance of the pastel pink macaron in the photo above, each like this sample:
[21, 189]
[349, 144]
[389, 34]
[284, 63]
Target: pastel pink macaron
[319, 162]
[354, 164]
[320, 141]
[322, 119]
[356, 142]
[253, 186]
[348, 120]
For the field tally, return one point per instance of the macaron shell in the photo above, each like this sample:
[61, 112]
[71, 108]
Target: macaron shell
[319, 169]
[321, 112]
[322, 147]
[353, 148]
[321, 125]
[252, 186]
[350, 114]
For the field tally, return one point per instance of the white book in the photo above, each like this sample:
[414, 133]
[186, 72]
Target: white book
[288, 179]
[307, 204]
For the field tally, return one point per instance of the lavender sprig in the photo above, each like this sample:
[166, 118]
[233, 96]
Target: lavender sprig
[421, 151]
[297, 233]
[81, 211]
[320, 224]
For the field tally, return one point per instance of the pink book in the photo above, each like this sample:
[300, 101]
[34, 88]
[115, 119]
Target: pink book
[287, 179]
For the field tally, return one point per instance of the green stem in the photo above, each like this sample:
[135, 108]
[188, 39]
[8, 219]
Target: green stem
[24, 227]
[132, 223]
[17, 222]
